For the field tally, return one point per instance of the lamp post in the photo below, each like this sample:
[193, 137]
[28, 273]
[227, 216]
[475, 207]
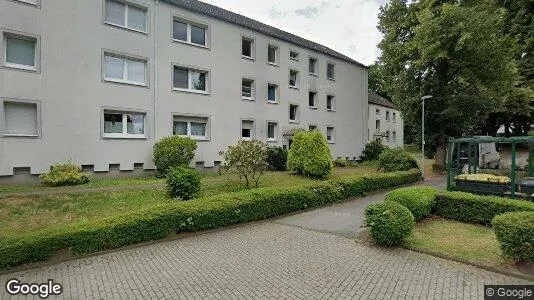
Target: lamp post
[423, 134]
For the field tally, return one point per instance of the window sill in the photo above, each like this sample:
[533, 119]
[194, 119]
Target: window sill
[331, 142]
[272, 141]
[295, 59]
[126, 28]
[272, 102]
[247, 99]
[29, 3]
[331, 79]
[191, 91]
[17, 135]
[313, 107]
[293, 121]
[191, 44]
[331, 110]
[197, 138]
[246, 138]
[139, 84]
[247, 57]
[125, 136]
[272, 64]
[314, 74]
[294, 87]
[18, 67]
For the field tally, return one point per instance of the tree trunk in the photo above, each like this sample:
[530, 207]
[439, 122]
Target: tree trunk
[441, 152]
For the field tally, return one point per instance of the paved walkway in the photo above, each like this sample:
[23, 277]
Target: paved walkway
[266, 260]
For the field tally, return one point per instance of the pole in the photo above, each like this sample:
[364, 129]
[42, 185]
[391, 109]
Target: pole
[423, 140]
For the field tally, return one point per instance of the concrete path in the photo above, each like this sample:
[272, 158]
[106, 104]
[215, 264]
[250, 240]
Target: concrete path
[267, 260]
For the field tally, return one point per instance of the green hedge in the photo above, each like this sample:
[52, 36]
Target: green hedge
[210, 212]
[515, 233]
[418, 200]
[389, 222]
[466, 207]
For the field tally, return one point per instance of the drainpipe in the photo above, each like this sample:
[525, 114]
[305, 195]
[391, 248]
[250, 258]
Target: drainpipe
[156, 72]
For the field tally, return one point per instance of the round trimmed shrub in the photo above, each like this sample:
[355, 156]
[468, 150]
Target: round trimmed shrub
[173, 151]
[309, 155]
[389, 222]
[183, 183]
[64, 174]
[372, 150]
[396, 159]
[418, 200]
[277, 158]
[515, 233]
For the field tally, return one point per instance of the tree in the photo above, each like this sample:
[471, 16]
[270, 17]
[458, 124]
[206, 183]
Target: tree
[456, 51]
[248, 158]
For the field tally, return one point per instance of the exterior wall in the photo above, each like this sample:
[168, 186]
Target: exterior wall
[72, 94]
[385, 125]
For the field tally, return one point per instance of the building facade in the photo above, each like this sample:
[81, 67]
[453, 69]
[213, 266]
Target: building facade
[98, 82]
[385, 122]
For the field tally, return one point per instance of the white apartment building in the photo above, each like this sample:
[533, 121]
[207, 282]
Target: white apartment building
[98, 82]
[385, 122]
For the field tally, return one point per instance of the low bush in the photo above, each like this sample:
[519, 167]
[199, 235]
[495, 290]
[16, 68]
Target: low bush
[515, 233]
[277, 158]
[471, 208]
[395, 159]
[248, 158]
[186, 216]
[340, 163]
[64, 174]
[372, 150]
[173, 151]
[418, 200]
[389, 222]
[183, 183]
[309, 155]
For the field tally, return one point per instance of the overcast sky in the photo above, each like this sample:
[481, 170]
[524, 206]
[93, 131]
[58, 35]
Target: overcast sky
[347, 26]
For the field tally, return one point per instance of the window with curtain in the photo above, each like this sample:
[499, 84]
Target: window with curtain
[247, 129]
[271, 131]
[123, 124]
[313, 66]
[190, 126]
[185, 79]
[20, 118]
[293, 78]
[126, 15]
[293, 112]
[331, 71]
[330, 134]
[20, 51]
[247, 89]
[118, 68]
[272, 54]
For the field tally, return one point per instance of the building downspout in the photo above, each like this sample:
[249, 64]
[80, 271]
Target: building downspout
[156, 72]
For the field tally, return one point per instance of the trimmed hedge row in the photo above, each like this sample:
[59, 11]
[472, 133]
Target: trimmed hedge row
[210, 212]
[418, 200]
[515, 233]
[466, 207]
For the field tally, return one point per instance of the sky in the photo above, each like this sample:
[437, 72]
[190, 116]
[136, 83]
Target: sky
[347, 26]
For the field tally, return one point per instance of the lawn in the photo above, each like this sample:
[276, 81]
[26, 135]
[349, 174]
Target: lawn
[48, 207]
[466, 242]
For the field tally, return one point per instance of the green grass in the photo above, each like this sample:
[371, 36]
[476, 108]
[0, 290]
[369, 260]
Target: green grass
[466, 242]
[50, 207]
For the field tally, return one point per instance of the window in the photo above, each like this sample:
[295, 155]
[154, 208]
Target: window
[330, 134]
[312, 99]
[387, 115]
[190, 80]
[293, 79]
[21, 51]
[394, 117]
[394, 138]
[125, 15]
[330, 103]
[191, 126]
[247, 47]
[378, 111]
[123, 69]
[387, 136]
[331, 71]
[312, 127]
[294, 55]
[313, 66]
[247, 129]
[271, 131]
[247, 89]
[377, 125]
[124, 124]
[186, 32]
[293, 113]
[21, 118]
[272, 93]
[272, 55]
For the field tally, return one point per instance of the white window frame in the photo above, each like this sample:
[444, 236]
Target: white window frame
[275, 138]
[252, 89]
[333, 104]
[252, 47]
[333, 78]
[316, 73]
[297, 113]
[276, 55]
[125, 26]
[125, 57]
[189, 78]
[124, 134]
[297, 81]
[333, 136]
[297, 58]
[189, 23]
[276, 93]
[37, 103]
[252, 130]
[206, 137]
[25, 36]
[315, 99]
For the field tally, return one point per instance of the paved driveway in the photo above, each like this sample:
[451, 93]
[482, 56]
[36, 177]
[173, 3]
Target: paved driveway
[266, 260]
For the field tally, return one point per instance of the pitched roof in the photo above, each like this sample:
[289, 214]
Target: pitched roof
[240, 20]
[374, 98]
